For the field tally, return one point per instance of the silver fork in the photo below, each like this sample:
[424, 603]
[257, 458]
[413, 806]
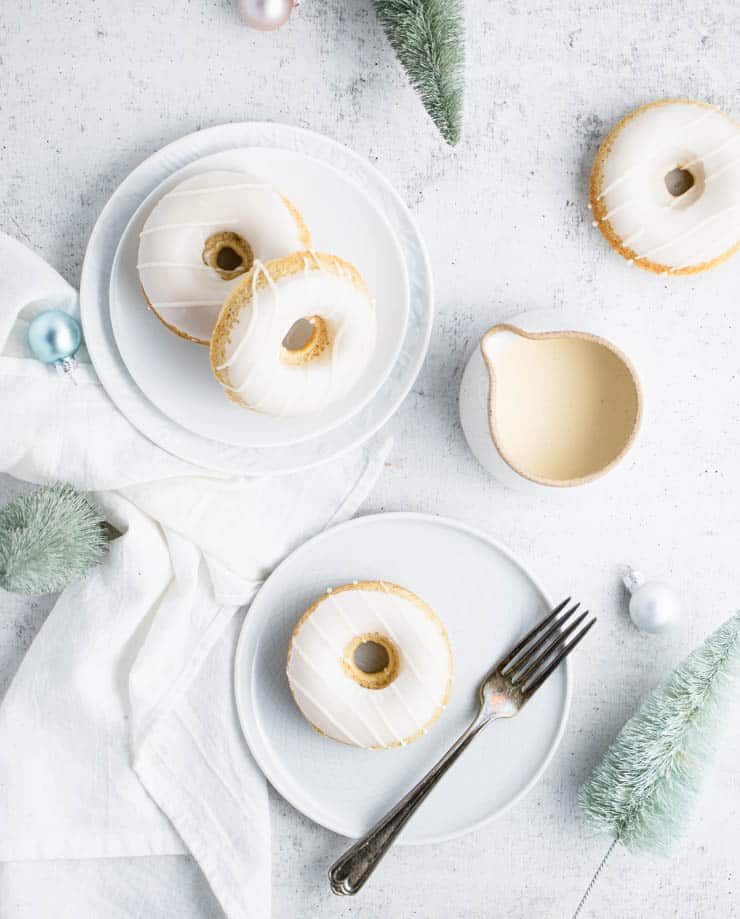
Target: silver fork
[504, 691]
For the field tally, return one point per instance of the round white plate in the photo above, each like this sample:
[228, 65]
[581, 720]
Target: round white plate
[176, 375]
[120, 385]
[486, 598]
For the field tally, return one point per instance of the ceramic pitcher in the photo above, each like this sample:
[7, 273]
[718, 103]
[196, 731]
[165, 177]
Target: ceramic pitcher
[547, 407]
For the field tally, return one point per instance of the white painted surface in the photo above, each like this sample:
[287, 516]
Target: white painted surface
[89, 90]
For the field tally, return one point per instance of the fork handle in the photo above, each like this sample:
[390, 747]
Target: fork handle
[348, 874]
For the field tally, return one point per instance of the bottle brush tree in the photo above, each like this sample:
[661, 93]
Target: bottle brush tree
[49, 537]
[643, 790]
[428, 37]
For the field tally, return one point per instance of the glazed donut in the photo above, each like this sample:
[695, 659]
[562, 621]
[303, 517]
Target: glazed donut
[204, 235]
[294, 335]
[369, 664]
[665, 187]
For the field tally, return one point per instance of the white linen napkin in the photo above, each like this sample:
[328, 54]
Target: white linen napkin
[118, 735]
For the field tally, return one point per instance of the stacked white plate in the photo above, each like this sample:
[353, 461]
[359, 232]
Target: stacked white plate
[163, 384]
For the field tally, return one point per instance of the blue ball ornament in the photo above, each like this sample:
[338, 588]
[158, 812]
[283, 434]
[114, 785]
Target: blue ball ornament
[54, 337]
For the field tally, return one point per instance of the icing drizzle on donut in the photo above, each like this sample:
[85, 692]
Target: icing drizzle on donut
[689, 232]
[185, 192]
[179, 281]
[676, 232]
[257, 269]
[253, 366]
[341, 708]
[687, 127]
[352, 628]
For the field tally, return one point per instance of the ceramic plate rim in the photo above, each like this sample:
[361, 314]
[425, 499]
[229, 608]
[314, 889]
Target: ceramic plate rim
[118, 383]
[251, 631]
[157, 192]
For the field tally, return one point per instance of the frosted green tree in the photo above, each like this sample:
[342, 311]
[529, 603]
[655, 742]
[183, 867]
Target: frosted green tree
[49, 537]
[643, 790]
[428, 37]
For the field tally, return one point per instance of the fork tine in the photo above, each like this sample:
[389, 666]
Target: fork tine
[530, 690]
[517, 661]
[505, 661]
[518, 675]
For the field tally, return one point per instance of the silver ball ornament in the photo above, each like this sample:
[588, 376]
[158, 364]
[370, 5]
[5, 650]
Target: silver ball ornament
[54, 337]
[654, 606]
[266, 15]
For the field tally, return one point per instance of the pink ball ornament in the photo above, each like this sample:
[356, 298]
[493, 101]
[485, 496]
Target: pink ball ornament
[266, 15]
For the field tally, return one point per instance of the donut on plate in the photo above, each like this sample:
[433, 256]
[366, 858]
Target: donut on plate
[294, 335]
[665, 187]
[205, 234]
[369, 664]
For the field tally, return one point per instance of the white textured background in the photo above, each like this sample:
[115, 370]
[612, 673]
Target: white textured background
[88, 89]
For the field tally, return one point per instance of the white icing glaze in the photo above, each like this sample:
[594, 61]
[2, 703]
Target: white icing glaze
[186, 293]
[337, 705]
[256, 369]
[675, 232]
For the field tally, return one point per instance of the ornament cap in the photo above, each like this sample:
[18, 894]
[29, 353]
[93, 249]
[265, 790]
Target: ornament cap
[632, 578]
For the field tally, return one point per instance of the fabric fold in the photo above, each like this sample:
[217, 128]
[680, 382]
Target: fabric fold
[119, 735]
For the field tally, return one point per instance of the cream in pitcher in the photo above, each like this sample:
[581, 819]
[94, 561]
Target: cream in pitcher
[556, 408]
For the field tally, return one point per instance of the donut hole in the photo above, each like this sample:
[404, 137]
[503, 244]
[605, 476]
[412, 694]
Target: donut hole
[228, 254]
[305, 340]
[228, 259]
[371, 657]
[299, 335]
[678, 181]
[371, 660]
